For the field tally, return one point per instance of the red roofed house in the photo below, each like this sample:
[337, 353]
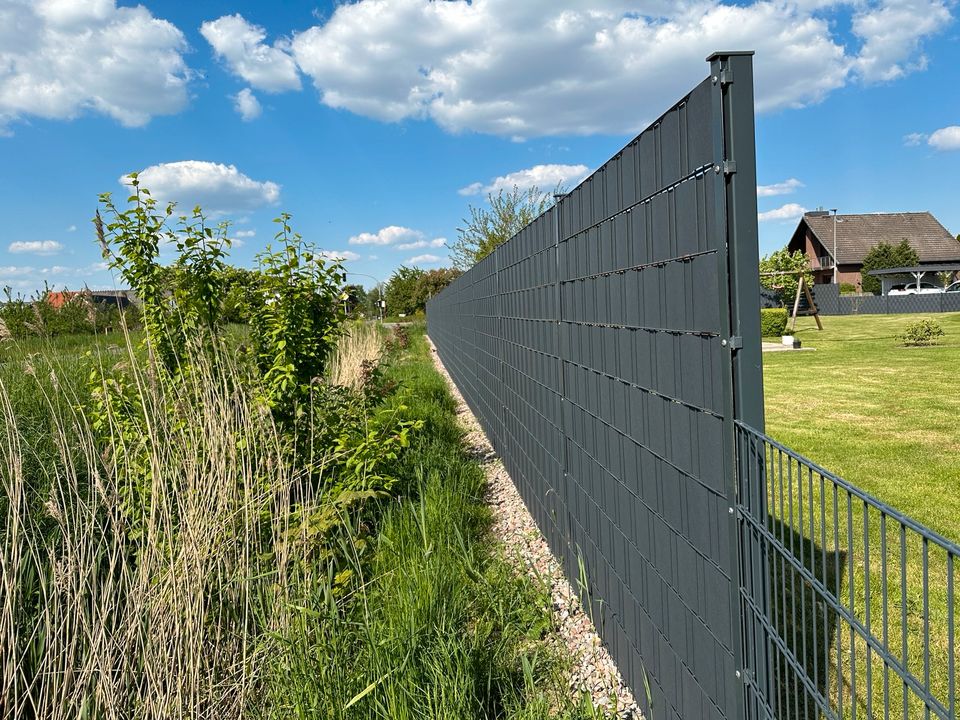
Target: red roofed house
[857, 234]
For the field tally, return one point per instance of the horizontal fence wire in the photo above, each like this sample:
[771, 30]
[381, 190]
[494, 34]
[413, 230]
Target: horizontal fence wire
[852, 608]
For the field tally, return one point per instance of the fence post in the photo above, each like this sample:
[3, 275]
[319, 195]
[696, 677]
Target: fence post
[732, 76]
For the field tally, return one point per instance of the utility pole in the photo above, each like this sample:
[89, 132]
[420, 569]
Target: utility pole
[836, 265]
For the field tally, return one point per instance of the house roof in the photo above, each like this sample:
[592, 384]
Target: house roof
[856, 234]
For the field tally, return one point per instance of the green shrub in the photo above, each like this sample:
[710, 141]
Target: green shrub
[773, 321]
[921, 332]
[848, 289]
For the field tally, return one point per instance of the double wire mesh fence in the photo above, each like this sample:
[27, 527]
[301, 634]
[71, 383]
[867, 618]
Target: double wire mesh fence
[850, 607]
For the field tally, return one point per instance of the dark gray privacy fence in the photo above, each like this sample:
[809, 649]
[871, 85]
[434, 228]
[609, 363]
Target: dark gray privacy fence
[611, 351]
[597, 349]
[830, 302]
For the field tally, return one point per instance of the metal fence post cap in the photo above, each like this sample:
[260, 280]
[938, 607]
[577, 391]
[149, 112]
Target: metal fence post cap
[717, 54]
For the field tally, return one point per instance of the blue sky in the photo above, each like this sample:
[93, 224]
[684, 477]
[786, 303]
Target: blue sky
[377, 123]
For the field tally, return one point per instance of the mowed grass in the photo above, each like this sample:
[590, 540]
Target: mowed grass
[882, 416]
[886, 418]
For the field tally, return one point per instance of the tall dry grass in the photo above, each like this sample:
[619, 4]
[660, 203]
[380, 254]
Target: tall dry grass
[146, 584]
[360, 350]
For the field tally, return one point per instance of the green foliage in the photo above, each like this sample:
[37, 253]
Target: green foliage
[783, 261]
[848, 288]
[299, 321]
[883, 256]
[404, 291]
[427, 619]
[921, 332]
[486, 228]
[773, 321]
[409, 289]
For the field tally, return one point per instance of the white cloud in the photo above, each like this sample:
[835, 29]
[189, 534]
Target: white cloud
[435, 243]
[781, 188]
[35, 247]
[545, 177]
[790, 211]
[217, 188]
[544, 68]
[27, 278]
[61, 58]
[245, 233]
[946, 138]
[426, 259]
[390, 235]
[241, 45]
[892, 33]
[72, 228]
[914, 139]
[247, 105]
[347, 255]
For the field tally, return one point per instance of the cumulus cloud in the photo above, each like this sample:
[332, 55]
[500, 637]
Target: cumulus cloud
[790, 211]
[247, 105]
[217, 188]
[390, 235]
[245, 233]
[425, 259]
[541, 68]
[435, 243]
[339, 255]
[240, 44]
[35, 247]
[545, 177]
[892, 34]
[61, 58]
[781, 188]
[914, 139]
[946, 138]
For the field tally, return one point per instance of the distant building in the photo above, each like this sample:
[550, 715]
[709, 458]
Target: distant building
[857, 234]
[120, 298]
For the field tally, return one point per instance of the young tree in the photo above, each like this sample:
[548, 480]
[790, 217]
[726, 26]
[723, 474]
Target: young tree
[404, 291]
[486, 228]
[783, 261]
[434, 281]
[883, 256]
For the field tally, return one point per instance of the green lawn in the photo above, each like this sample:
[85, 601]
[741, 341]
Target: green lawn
[887, 419]
[882, 416]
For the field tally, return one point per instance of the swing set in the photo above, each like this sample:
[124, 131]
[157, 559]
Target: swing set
[802, 288]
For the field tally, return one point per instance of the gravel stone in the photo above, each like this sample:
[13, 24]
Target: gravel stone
[593, 670]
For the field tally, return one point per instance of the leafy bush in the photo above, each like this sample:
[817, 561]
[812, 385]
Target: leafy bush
[921, 332]
[848, 289]
[773, 321]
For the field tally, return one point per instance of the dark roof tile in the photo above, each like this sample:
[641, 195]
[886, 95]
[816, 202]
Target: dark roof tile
[856, 234]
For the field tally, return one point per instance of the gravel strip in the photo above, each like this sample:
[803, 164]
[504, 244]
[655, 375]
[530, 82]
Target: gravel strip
[593, 669]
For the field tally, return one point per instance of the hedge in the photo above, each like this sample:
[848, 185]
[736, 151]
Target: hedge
[773, 321]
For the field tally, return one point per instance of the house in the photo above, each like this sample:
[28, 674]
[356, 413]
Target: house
[120, 298]
[857, 234]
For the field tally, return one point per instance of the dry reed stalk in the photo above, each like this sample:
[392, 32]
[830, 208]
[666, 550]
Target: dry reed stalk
[170, 617]
[359, 349]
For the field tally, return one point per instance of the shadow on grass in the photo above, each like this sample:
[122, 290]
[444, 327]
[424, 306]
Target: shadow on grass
[805, 674]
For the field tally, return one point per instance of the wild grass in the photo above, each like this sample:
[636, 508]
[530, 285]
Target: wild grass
[358, 352]
[216, 602]
[438, 624]
[105, 617]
